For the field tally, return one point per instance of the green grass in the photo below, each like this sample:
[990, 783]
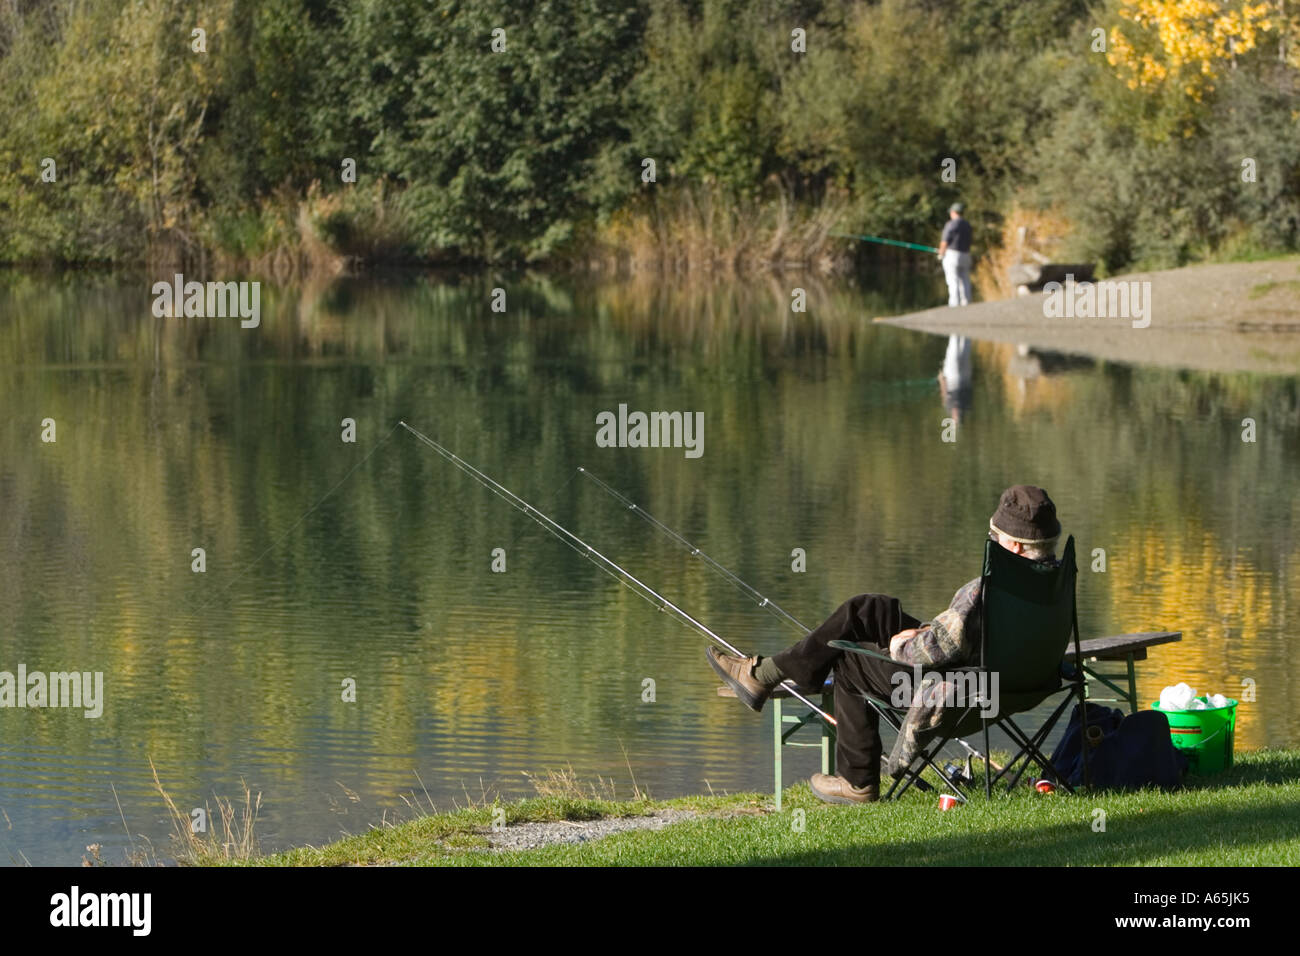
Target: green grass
[447, 835]
[1247, 816]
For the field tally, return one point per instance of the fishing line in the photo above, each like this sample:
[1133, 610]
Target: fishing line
[735, 581]
[887, 242]
[625, 577]
[763, 602]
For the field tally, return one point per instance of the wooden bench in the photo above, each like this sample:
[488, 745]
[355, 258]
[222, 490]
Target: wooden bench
[1129, 648]
[781, 736]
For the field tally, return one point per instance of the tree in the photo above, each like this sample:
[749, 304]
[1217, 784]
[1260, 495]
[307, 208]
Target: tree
[496, 149]
[1183, 41]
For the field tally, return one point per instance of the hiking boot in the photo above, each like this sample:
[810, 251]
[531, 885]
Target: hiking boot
[738, 672]
[838, 790]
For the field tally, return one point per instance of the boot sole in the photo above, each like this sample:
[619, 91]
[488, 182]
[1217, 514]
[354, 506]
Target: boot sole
[827, 798]
[832, 798]
[746, 697]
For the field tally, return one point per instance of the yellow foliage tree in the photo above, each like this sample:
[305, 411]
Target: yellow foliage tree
[1186, 41]
[126, 101]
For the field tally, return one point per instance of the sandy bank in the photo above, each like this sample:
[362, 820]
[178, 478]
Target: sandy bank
[1237, 317]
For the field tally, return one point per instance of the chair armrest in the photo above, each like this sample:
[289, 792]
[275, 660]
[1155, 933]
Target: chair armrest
[857, 648]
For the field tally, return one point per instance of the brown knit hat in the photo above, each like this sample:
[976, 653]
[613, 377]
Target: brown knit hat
[1027, 515]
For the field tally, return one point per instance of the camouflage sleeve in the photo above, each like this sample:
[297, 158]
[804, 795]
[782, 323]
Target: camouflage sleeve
[949, 638]
[921, 648]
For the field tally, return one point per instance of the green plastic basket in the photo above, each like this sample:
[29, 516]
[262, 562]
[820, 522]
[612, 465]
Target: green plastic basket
[1205, 736]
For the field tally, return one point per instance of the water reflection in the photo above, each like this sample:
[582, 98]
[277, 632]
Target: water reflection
[955, 381]
[176, 434]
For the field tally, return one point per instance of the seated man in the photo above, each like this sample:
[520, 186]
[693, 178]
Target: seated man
[1025, 523]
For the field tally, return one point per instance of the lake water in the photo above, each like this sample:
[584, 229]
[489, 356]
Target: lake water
[822, 432]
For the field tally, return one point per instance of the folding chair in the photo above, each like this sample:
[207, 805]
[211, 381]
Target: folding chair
[1028, 618]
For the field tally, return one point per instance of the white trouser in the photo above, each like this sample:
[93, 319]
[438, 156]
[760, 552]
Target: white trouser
[956, 269]
[956, 363]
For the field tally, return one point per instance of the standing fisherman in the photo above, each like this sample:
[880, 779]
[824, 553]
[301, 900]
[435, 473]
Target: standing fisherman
[954, 252]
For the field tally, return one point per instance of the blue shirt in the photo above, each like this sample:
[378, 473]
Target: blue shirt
[957, 234]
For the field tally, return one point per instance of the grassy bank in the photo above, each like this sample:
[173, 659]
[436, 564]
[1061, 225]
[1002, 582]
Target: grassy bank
[1248, 816]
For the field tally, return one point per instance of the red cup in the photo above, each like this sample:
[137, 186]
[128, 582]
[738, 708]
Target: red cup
[1045, 786]
[947, 801]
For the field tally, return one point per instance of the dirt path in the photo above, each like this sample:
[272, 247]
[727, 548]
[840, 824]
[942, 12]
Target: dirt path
[1239, 317]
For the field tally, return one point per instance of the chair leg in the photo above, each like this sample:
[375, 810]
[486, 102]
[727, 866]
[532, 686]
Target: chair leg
[1132, 686]
[1083, 728]
[1030, 747]
[828, 735]
[1029, 754]
[927, 756]
[988, 766]
[910, 777]
[779, 742]
[894, 721]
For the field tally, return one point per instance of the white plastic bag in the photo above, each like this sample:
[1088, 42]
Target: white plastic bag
[1177, 697]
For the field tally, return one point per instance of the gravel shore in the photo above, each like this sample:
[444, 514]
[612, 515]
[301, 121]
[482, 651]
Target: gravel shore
[527, 836]
[1237, 317]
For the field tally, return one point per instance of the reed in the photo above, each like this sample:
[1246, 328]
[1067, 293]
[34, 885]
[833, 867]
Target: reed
[293, 237]
[565, 785]
[230, 834]
[707, 229]
[1024, 231]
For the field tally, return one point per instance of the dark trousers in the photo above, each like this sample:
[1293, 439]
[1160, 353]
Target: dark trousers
[870, 619]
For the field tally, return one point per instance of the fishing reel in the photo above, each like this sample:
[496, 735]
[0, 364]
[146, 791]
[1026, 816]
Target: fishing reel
[965, 776]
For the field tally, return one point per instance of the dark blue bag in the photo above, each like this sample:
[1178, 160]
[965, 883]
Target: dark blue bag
[1135, 751]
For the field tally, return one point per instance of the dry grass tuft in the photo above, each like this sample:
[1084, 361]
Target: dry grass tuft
[1024, 232]
[234, 840]
[565, 785]
[702, 229]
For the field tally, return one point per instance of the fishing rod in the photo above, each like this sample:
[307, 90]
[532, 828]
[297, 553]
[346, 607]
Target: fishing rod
[887, 242]
[763, 602]
[577, 544]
